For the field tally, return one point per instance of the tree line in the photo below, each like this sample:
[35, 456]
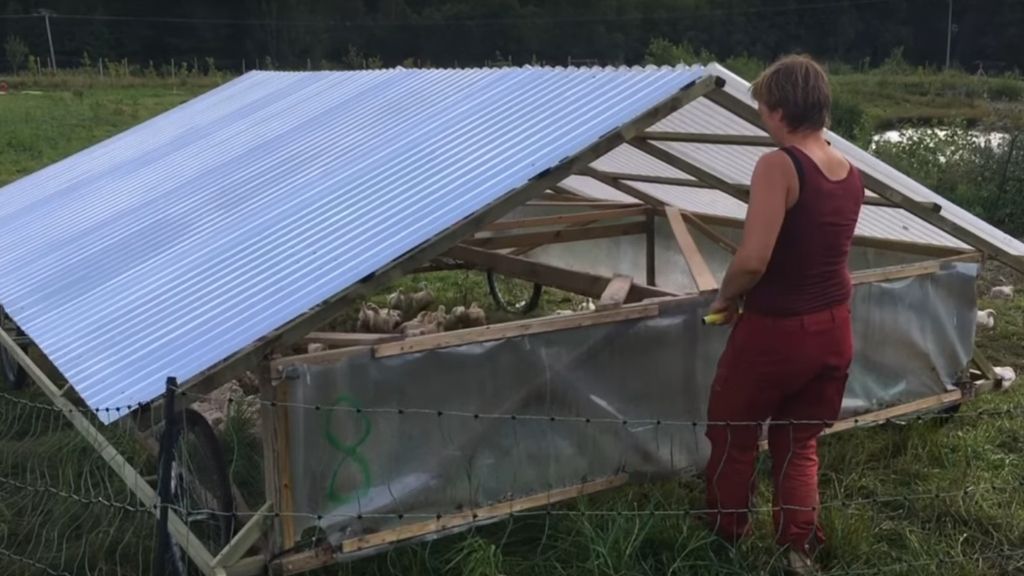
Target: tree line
[300, 33]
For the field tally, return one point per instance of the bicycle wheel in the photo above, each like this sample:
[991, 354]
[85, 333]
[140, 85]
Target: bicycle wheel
[513, 295]
[13, 374]
[200, 492]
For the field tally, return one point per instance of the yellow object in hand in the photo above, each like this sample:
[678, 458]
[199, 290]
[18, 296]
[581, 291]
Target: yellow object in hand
[716, 319]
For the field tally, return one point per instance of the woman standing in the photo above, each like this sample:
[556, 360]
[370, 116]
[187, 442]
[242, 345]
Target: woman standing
[790, 350]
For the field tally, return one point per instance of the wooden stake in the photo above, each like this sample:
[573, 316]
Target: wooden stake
[615, 294]
[703, 278]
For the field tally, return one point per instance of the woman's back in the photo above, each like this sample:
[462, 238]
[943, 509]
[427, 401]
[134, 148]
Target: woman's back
[808, 268]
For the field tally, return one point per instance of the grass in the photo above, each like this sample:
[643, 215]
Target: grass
[926, 497]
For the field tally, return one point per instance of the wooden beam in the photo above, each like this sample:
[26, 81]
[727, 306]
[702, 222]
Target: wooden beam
[910, 270]
[762, 141]
[346, 339]
[535, 239]
[615, 293]
[875, 184]
[594, 204]
[703, 278]
[512, 330]
[245, 538]
[901, 410]
[583, 283]
[985, 366]
[313, 559]
[649, 250]
[647, 178]
[249, 358]
[563, 219]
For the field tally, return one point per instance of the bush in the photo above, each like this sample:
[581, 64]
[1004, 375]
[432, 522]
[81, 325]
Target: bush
[849, 119]
[745, 66]
[1005, 90]
[986, 179]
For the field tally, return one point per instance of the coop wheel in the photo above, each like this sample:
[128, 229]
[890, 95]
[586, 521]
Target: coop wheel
[200, 492]
[512, 295]
[14, 376]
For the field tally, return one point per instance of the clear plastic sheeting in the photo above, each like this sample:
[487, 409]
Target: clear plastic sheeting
[455, 447]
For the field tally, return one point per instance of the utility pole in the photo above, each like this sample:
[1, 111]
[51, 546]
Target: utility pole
[949, 34]
[46, 13]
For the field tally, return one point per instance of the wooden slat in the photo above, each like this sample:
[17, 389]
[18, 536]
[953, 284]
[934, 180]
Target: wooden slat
[909, 270]
[534, 239]
[345, 339]
[986, 367]
[249, 358]
[562, 219]
[615, 293]
[762, 141]
[647, 178]
[512, 330]
[593, 204]
[583, 283]
[649, 249]
[703, 278]
[306, 561]
[485, 513]
[284, 463]
[708, 231]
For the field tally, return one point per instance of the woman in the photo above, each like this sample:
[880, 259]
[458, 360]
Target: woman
[790, 349]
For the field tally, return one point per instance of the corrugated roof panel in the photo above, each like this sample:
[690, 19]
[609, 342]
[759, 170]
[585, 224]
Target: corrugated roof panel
[167, 248]
[705, 117]
[628, 159]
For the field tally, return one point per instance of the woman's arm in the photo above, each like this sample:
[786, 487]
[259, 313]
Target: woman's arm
[770, 186]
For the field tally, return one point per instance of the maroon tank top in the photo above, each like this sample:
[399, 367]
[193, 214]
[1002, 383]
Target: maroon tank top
[808, 270]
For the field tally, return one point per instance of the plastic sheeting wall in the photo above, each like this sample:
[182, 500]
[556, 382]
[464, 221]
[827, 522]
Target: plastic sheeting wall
[912, 337]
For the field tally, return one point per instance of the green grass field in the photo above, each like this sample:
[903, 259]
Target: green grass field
[924, 497]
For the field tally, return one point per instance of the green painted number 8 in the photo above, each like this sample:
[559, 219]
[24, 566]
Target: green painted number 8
[350, 452]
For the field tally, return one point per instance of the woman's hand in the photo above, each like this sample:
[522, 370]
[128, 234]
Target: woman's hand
[728, 308]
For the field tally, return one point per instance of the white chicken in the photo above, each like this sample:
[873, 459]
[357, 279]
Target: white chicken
[987, 318]
[1001, 292]
[1006, 374]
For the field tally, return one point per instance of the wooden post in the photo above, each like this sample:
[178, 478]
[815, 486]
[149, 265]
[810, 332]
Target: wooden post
[650, 249]
[703, 278]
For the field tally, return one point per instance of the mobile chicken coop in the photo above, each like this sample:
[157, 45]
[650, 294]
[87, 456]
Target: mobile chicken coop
[213, 240]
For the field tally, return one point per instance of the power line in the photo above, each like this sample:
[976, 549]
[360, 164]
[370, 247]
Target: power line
[466, 21]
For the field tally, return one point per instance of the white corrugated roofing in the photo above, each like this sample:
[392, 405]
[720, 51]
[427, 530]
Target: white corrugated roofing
[167, 248]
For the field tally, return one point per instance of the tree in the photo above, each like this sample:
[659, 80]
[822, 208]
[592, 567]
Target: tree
[16, 51]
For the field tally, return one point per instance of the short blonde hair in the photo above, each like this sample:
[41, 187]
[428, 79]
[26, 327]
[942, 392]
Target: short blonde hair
[799, 87]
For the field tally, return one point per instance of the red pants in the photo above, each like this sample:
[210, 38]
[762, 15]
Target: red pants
[778, 369]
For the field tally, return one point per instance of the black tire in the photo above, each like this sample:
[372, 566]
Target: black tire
[209, 511]
[508, 302]
[13, 375]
